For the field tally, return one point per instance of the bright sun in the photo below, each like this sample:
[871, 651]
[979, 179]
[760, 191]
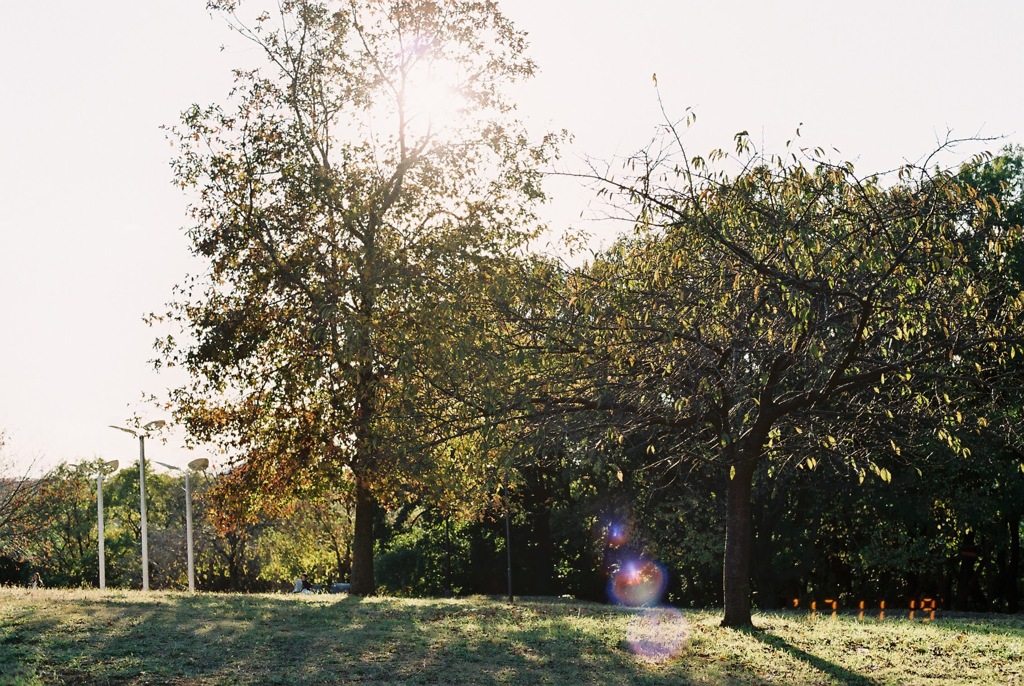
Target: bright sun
[431, 96]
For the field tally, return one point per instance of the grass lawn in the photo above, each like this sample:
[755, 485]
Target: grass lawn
[51, 636]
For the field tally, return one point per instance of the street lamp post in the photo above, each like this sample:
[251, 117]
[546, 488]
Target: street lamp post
[141, 435]
[103, 467]
[195, 465]
[112, 466]
[508, 538]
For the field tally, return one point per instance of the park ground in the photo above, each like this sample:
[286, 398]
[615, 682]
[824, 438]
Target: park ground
[53, 636]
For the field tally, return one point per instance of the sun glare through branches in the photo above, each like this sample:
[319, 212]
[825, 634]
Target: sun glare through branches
[431, 97]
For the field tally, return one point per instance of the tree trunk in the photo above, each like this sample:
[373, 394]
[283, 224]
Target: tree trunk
[738, 546]
[362, 541]
[537, 499]
[1013, 590]
[339, 566]
[968, 557]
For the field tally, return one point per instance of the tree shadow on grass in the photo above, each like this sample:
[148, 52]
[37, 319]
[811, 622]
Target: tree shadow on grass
[212, 639]
[837, 672]
[209, 639]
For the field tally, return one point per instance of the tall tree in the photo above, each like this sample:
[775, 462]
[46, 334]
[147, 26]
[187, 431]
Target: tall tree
[1000, 442]
[350, 195]
[785, 311]
[17, 492]
[64, 526]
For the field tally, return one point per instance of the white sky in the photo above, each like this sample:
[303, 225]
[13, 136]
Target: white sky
[90, 225]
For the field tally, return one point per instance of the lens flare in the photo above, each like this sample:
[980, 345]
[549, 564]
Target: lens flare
[616, 534]
[658, 634]
[637, 583]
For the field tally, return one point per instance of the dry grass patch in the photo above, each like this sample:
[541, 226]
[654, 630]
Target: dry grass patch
[127, 637]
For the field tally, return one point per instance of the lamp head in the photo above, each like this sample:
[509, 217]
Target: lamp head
[199, 464]
[146, 428]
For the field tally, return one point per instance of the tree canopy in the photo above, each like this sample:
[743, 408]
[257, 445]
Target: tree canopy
[789, 311]
[372, 327]
[342, 209]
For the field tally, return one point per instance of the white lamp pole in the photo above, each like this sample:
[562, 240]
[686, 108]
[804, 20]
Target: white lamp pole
[141, 435]
[112, 466]
[195, 465]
